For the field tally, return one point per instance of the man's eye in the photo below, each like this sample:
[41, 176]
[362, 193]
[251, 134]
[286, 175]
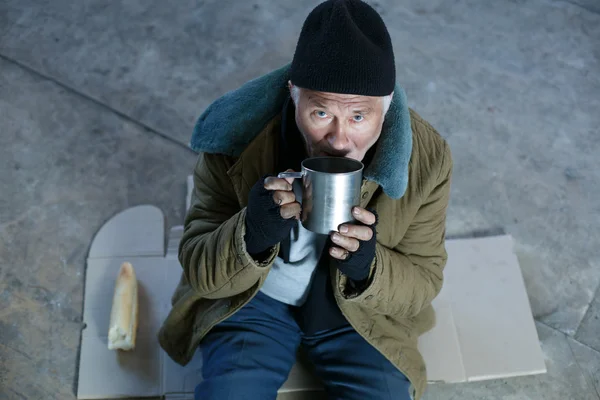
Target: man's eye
[321, 114]
[358, 118]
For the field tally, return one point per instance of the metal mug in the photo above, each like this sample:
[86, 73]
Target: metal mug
[331, 187]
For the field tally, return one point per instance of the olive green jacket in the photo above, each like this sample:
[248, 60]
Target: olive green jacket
[407, 183]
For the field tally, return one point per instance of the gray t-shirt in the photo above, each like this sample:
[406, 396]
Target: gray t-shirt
[289, 283]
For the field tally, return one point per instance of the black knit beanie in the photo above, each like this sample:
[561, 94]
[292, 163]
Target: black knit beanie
[344, 47]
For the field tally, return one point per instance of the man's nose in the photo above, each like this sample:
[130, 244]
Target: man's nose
[337, 137]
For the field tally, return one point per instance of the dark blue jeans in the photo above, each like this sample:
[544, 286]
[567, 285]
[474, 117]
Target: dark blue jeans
[250, 355]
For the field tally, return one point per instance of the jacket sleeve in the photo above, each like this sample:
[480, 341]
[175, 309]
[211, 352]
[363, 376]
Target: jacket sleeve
[406, 278]
[212, 250]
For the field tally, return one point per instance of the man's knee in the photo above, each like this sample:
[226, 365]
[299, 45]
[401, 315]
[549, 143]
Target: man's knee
[243, 365]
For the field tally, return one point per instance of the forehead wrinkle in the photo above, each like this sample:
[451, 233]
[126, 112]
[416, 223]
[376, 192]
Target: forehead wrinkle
[358, 106]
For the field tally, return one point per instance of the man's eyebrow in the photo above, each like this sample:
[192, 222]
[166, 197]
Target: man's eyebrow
[363, 111]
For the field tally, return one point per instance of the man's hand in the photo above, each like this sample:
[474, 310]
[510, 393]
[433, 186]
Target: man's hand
[354, 245]
[271, 213]
[350, 235]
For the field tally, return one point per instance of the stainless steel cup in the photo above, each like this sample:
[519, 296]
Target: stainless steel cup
[331, 187]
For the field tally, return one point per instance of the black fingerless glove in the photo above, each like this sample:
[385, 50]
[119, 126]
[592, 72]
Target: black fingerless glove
[265, 227]
[358, 264]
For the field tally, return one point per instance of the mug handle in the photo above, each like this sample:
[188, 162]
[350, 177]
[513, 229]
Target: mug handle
[295, 175]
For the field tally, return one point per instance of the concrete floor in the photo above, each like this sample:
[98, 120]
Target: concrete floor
[97, 103]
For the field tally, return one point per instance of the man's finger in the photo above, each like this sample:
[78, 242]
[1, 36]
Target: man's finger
[290, 210]
[364, 216]
[289, 180]
[274, 183]
[360, 232]
[283, 197]
[339, 253]
[345, 242]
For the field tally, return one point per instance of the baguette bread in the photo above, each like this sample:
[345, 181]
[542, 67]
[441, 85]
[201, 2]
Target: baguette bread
[124, 313]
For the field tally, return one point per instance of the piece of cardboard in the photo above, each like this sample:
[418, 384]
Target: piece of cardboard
[483, 306]
[484, 327]
[442, 345]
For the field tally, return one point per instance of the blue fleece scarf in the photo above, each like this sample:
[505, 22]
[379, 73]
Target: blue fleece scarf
[230, 123]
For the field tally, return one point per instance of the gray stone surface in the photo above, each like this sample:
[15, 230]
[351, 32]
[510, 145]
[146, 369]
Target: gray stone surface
[589, 362]
[512, 85]
[568, 376]
[589, 330]
[67, 166]
[590, 5]
[160, 62]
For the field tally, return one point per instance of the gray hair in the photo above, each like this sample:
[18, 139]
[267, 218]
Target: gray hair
[295, 93]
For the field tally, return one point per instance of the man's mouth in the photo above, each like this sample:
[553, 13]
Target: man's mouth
[333, 154]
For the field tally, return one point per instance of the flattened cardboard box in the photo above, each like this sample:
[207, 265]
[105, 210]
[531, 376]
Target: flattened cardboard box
[484, 328]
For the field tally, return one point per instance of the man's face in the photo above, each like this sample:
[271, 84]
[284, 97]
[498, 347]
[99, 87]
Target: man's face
[338, 125]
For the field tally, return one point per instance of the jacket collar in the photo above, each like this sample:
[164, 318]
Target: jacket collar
[230, 123]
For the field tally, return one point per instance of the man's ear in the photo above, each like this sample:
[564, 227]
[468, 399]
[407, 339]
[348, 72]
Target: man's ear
[293, 92]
